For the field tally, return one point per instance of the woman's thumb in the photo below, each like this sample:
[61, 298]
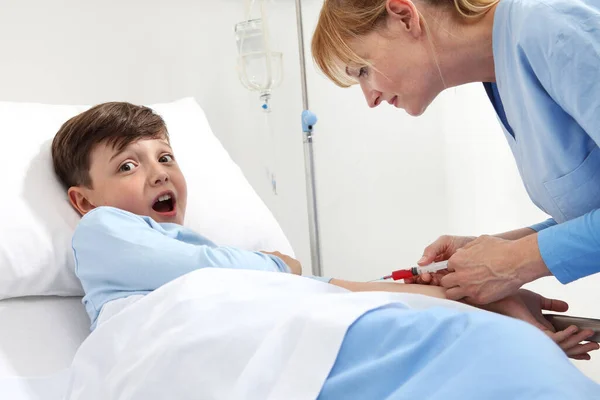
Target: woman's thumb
[428, 257]
[431, 252]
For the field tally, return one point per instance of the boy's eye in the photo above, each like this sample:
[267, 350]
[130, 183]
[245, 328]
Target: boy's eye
[126, 167]
[166, 158]
[363, 72]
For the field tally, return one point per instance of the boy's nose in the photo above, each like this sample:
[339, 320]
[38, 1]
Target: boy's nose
[159, 178]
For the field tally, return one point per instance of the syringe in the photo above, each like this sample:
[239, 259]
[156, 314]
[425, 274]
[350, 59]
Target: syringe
[415, 271]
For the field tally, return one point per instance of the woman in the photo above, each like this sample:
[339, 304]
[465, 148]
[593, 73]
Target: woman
[539, 62]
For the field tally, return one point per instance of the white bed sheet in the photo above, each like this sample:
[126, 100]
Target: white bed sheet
[38, 340]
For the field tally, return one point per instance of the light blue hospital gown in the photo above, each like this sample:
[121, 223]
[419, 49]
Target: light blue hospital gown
[393, 352]
[547, 96]
[120, 254]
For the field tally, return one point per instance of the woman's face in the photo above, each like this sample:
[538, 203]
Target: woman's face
[403, 69]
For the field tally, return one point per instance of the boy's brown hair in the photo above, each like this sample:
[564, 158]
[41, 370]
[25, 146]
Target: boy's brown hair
[117, 124]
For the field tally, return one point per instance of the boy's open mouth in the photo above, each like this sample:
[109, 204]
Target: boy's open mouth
[164, 203]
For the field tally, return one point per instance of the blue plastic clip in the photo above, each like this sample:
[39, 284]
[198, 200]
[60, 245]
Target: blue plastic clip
[309, 119]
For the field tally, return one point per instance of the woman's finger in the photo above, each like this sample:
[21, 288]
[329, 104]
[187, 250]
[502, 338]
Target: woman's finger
[436, 279]
[440, 257]
[432, 279]
[455, 293]
[435, 250]
[554, 305]
[450, 280]
[430, 253]
[424, 279]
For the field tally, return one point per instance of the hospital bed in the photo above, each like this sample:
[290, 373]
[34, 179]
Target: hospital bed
[42, 319]
[40, 335]
[38, 339]
[43, 325]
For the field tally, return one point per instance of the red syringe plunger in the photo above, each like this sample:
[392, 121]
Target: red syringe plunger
[399, 274]
[414, 271]
[402, 274]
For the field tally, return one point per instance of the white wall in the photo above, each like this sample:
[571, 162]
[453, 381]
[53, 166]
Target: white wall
[146, 51]
[381, 190]
[486, 194]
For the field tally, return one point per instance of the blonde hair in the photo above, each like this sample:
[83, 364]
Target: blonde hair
[343, 20]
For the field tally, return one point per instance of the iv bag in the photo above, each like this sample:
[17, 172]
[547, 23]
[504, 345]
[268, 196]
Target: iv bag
[259, 68]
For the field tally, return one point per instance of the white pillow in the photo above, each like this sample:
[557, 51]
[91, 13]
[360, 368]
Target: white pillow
[37, 221]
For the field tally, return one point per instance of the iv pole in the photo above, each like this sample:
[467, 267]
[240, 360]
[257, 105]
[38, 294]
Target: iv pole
[308, 121]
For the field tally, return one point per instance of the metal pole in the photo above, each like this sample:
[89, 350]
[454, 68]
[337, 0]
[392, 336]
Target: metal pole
[301, 52]
[308, 120]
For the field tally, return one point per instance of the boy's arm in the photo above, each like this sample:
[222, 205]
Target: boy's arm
[432, 291]
[525, 305]
[119, 251]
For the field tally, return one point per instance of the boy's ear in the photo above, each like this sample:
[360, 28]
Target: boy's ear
[78, 197]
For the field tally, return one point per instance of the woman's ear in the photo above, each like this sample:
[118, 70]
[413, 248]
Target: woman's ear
[79, 198]
[404, 14]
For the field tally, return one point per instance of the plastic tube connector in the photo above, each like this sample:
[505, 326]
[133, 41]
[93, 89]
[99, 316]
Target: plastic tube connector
[309, 119]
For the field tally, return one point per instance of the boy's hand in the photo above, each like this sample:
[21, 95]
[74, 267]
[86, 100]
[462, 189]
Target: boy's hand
[293, 264]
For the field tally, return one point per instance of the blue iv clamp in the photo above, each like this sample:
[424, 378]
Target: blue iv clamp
[309, 119]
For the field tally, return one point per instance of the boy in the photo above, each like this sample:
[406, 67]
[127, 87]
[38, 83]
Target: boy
[122, 176]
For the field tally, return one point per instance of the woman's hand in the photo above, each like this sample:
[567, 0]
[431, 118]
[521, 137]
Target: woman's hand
[489, 269]
[440, 250]
[445, 247]
[527, 306]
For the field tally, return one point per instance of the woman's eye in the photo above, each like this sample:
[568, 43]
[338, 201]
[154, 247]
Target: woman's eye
[166, 158]
[128, 166]
[363, 72]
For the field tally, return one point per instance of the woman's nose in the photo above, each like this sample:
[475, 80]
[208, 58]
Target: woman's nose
[373, 97]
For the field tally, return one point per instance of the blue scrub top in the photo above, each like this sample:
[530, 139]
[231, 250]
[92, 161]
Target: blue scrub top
[547, 96]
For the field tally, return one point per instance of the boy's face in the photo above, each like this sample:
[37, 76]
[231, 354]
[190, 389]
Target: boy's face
[143, 179]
